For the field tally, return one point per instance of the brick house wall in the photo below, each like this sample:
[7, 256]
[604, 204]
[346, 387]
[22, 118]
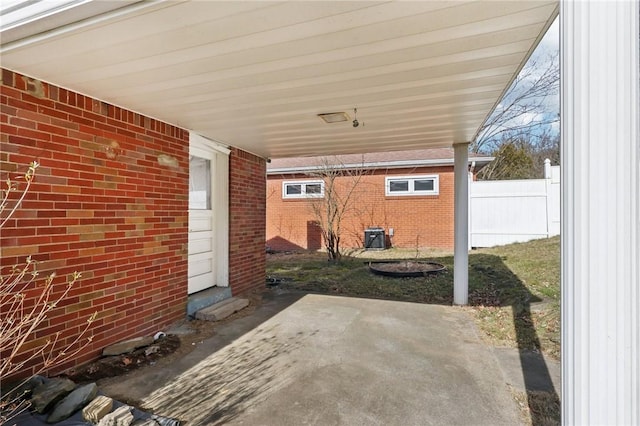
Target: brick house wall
[103, 204]
[425, 220]
[247, 186]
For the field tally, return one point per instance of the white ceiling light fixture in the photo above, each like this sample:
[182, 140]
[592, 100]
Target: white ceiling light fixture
[334, 117]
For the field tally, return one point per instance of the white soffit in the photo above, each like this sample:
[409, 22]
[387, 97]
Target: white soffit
[256, 75]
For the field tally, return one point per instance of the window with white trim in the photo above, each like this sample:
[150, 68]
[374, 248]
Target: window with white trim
[199, 183]
[411, 185]
[303, 189]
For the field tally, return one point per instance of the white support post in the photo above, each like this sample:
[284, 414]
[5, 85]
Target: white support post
[548, 195]
[461, 224]
[601, 212]
[547, 168]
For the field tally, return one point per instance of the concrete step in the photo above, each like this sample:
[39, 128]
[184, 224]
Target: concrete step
[221, 310]
[205, 298]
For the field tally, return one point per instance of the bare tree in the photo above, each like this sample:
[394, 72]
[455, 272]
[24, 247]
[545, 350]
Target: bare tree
[21, 316]
[524, 109]
[548, 146]
[341, 188]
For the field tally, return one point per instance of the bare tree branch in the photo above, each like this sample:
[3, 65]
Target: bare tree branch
[523, 109]
[26, 302]
[339, 201]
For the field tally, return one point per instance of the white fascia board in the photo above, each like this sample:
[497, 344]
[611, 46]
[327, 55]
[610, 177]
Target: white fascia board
[400, 164]
[21, 12]
[30, 24]
[196, 140]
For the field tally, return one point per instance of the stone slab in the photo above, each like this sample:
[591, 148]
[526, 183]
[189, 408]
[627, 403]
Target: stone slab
[127, 346]
[73, 402]
[48, 394]
[222, 310]
[144, 422]
[120, 416]
[25, 390]
[97, 409]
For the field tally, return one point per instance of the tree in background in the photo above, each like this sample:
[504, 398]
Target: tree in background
[519, 159]
[547, 147]
[520, 126]
[512, 161]
[523, 112]
[339, 202]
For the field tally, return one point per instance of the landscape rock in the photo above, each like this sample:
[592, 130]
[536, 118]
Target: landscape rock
[127, 346]
[97, 409]
[144, 422]
[73, 402]
[49, 393]
[165, 421]
[119, 417]
[151, 350]
[25, 390]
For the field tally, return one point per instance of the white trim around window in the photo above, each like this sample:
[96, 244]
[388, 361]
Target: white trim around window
[303, 189]
[411, 185]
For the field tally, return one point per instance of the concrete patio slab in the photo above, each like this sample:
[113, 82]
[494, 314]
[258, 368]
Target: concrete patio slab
[528, 370]
[327, 360]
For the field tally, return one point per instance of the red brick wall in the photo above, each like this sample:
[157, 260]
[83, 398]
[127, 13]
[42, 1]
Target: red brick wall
[247, 184]
[423, 220]
[121, 222]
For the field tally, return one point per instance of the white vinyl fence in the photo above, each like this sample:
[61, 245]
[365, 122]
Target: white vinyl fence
[509, 211]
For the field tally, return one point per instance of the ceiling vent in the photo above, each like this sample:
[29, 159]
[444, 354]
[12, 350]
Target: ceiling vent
[334, 117]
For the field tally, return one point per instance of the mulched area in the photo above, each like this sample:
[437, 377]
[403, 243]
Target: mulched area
[120, 364]
[405, 268]
[170, 347]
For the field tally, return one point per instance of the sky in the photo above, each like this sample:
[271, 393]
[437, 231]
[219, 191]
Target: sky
[549, 106]
[551, 40]
[550, 45]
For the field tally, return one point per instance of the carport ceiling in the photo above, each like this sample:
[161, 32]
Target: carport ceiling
[256, 74]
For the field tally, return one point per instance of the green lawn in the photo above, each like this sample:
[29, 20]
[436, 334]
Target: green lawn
[514, 290]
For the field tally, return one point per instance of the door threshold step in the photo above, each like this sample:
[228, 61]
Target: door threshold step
[206, 298]
[222, 309]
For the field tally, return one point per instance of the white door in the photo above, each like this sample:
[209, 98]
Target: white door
[208, 214]
[201, 220]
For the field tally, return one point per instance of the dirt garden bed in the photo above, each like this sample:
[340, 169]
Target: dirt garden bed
[405, 268]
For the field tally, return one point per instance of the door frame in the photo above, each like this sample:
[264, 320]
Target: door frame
[219, 203]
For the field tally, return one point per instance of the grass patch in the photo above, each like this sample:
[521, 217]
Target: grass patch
[351, 277]
[529, 315]
[538, 408]
[514, 290]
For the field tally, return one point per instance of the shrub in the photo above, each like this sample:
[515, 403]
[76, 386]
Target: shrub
[26, 299]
